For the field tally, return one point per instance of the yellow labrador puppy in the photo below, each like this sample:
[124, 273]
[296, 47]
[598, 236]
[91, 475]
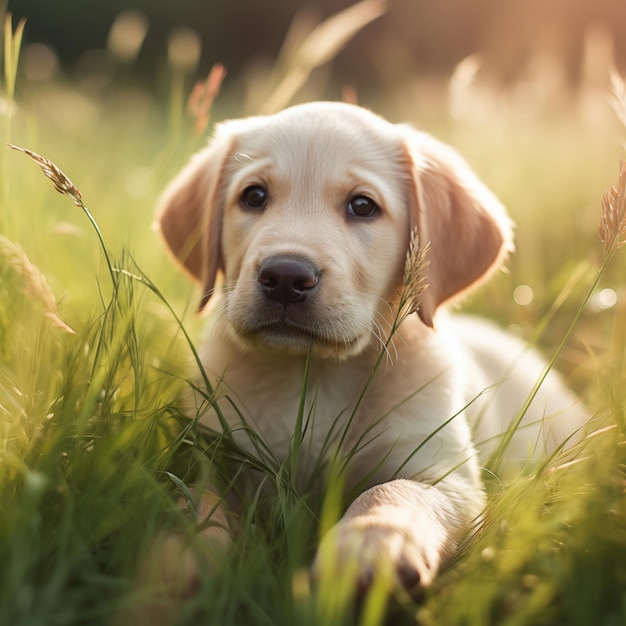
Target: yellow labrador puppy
[297, 226]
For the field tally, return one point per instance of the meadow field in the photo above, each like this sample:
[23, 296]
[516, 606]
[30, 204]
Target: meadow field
[97, 329]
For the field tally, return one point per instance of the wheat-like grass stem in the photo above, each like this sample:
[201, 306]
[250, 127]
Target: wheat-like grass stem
[414, 285]
[35, 283]
[67, 188]
[612, 227]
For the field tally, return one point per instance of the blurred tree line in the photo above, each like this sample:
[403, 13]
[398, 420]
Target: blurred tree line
[414, 37]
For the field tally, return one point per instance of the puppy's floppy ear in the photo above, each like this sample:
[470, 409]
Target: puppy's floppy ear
[189, 215]
[467, 227]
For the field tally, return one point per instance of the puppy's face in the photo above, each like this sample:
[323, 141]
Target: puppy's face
[315, 231]
[308, 215]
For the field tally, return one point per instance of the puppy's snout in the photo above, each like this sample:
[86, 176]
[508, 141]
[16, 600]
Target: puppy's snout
[287, 280]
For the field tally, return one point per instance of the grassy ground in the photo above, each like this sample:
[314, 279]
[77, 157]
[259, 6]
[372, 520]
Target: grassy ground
[93, 445]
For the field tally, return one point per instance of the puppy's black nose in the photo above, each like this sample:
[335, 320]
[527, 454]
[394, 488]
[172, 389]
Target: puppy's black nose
[287, 280]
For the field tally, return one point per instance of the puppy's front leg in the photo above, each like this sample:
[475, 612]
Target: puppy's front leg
[169, 571]
[403, 529]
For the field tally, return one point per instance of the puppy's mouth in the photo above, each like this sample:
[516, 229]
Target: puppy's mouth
[292, 336]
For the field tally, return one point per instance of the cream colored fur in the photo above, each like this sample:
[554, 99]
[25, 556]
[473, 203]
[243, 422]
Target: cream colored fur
[449, 385]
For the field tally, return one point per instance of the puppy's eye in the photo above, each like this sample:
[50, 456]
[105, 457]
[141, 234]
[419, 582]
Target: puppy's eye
[362, 206]
[253, 197]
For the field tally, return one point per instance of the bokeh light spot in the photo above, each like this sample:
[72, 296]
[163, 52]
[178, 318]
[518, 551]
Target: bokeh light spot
[604, 299]
[139, 182]
[39, 62]
[183, 48]
[127, 34]
[523, 295]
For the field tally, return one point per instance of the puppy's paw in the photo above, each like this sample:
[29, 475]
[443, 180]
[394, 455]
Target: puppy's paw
[398, 533]
[369, 549]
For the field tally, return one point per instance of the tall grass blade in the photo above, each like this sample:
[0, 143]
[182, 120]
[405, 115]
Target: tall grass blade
[12, 46]
[299, 430]
[12, 42]
[612, 232]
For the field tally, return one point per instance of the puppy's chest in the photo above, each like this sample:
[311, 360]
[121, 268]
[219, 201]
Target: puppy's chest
[288, 407]
[367, 427]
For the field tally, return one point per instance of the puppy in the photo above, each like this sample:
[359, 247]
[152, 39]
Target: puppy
[297, 228]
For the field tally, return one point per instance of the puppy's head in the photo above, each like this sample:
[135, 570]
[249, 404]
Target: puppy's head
[307, 215]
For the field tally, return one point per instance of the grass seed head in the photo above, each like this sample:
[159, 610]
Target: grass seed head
[202, 97]
[612, 228]
[60, 181]
[35, 283]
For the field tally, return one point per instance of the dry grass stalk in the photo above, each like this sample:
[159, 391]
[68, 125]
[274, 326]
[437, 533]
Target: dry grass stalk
[321, 44]
[414, 276]
[202, 97]
[60, 181]
[612, 228]
[35, 283]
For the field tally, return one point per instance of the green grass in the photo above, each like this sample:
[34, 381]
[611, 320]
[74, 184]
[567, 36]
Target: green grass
[94, 446]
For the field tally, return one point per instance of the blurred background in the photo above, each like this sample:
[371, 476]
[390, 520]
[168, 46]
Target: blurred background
[516, 40]
[546, 51]
[121, 93]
